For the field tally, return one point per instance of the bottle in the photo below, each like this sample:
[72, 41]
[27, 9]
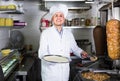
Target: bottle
[82, 21]
[98, 21]
[20, 23]
[87, 22]
[44, 22]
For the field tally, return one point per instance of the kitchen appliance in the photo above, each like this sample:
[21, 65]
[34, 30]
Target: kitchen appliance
[102, 65]
[16, 39]
[72, 4]
[8, 64]
[106, 12]
[85, 45]
[99, 76]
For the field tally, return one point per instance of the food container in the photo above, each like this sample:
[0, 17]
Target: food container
[75, 22]
[9, 22]
[5, 52]
[44, 22]
[113, 77]
[2, 21]
[82, 22]
[87, 22]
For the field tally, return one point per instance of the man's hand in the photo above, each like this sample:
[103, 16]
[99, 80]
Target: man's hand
[84, 54]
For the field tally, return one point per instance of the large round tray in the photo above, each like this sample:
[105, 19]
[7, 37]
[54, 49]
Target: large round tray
[56, 59]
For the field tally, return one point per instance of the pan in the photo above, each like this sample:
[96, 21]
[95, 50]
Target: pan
[56, 59]
[112, 77]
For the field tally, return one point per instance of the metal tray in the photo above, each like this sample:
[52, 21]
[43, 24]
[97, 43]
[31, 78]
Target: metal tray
[113, 77]
[67, 59]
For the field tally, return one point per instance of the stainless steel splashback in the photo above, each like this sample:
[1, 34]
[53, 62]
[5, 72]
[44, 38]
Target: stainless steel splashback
[72, 4]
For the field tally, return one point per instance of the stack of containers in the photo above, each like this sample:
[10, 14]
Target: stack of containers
[6, 22]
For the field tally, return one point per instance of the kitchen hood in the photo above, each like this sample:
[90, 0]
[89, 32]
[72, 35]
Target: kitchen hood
[109, 6]
[72, 4]
[64, 0]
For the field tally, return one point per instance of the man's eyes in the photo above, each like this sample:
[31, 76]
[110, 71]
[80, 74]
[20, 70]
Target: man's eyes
[58, 15]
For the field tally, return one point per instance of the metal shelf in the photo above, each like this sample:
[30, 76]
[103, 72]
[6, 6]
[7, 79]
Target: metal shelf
[79, 8]
[72, 4]
[13, 27]
[11, 12]
[64, 0]
[79, 27]
[71, 27]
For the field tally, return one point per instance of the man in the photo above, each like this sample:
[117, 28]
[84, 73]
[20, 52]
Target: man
[57, 41]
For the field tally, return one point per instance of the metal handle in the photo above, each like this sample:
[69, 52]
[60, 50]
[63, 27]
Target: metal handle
[107, 71]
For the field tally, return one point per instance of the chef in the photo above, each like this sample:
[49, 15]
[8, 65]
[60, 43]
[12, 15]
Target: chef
[56, 40]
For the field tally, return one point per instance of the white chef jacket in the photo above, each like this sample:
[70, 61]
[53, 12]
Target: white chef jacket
[62, 43]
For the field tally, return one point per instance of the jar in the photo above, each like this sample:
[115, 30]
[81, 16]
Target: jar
[69, 22]
[82, 21]
[66, 22]
[87, 22]
[44, 22]
[2, 21]
[76, 21]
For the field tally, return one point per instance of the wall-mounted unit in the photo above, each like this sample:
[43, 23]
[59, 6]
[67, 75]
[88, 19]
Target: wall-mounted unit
[72, 4]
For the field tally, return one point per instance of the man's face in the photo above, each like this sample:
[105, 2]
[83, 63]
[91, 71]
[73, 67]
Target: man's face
[58, 19]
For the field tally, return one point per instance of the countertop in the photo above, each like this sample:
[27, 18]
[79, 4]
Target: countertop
[101, 64]
[22, 68]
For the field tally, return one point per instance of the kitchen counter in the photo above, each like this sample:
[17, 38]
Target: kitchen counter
[25, 67]
[103, 65]
[26, 70]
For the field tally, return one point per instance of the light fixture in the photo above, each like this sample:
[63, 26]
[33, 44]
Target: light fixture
[89, 1]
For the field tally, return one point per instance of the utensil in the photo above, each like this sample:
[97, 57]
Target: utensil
[56, 59]
[92, 57]
[106, 71]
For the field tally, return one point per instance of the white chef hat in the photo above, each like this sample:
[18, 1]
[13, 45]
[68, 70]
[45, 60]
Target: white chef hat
[59, 8]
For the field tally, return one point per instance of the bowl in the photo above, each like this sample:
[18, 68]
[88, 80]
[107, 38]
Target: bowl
[5, 52]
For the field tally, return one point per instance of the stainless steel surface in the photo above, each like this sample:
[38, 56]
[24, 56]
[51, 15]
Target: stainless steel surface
[64, 0]
[106, 71]
[85, 44]
[72, 4]
[9, 63]
[10, 69]
[113, 77]
[22, 73]
[116, 64]
[58, 60]
[102, 65]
